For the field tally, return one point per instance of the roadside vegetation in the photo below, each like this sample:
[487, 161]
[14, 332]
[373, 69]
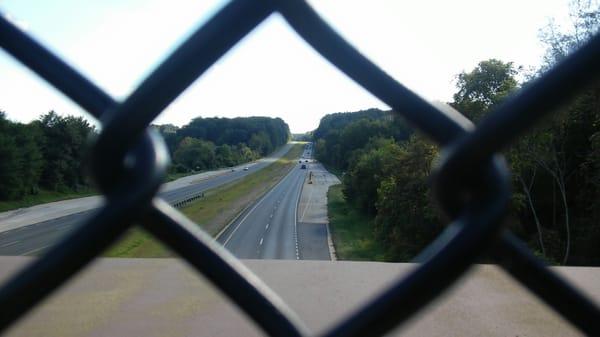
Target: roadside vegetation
[214, 211]
[42, 161]
[209, 143]
[555, 207]
[351, 230]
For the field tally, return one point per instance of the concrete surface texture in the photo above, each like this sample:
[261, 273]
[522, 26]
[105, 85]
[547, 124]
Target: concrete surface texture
[164, 297]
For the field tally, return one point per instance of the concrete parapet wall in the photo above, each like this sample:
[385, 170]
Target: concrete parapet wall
[163, 297]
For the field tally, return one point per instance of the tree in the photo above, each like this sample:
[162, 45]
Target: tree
[560, 41]
[225, 156]
[370, 166]
[63, 149]
[484, 87]
[569, 154]
[340, 134]
[20, 159]
[195, 154]
[406, 221]
[261, 143]
[10, 161]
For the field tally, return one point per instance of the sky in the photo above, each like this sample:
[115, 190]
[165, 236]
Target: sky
[272, 72]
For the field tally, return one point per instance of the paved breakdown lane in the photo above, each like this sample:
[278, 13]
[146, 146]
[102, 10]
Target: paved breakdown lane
[288, 222]
[313, 231]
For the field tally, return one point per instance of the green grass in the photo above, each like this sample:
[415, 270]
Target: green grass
[175, 176]
[137, 243]
[44, 196]
[212, 212]
[351, 230]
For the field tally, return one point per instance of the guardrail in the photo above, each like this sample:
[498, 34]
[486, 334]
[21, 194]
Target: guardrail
[187, 200]
[470, 183]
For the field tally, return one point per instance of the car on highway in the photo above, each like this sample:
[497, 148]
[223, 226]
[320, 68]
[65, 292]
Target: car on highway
[303, 167]
[246, 168]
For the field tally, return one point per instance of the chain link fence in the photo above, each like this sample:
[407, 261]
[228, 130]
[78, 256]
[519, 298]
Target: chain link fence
[471, 183]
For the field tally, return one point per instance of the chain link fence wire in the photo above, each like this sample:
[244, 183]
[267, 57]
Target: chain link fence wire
[471, 183]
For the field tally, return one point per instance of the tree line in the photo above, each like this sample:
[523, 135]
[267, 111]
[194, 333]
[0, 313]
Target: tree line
[339, 135]
[384, 167]
[48, 153]
[555, 205]
[208, 143]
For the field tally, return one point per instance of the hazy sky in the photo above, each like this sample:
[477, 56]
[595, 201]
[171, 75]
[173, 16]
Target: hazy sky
[272, 72]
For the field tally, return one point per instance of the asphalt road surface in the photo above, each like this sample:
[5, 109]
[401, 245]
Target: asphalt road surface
[36, 238]
[269, 228]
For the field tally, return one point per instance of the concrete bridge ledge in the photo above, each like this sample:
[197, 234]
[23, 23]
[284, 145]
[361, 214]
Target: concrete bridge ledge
[164, 297]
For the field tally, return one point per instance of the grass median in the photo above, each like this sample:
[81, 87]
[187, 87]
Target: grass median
[351, 230]
[213, 212]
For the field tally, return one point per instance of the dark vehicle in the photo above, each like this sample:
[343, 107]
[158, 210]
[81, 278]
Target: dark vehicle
[306, 161]
[299, 161]
[303, 167]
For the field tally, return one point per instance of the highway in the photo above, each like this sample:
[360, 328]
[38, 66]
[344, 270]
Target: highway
[34, 239]
[269, 229]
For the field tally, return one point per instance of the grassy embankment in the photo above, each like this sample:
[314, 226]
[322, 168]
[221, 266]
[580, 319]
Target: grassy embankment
[351, 230]
[214, 211]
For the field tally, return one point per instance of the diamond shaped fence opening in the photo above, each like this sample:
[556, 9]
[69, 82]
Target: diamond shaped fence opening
[470, 183]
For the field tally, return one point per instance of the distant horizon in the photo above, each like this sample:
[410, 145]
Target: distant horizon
[94, 122]
[271, 72]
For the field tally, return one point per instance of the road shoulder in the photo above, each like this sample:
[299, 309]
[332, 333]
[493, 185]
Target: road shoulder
[313, 220]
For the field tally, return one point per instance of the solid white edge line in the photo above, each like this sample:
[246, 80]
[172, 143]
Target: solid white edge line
[307, 204]
[332, 253]
[256, 205]
[235, 218]
[296, 217]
